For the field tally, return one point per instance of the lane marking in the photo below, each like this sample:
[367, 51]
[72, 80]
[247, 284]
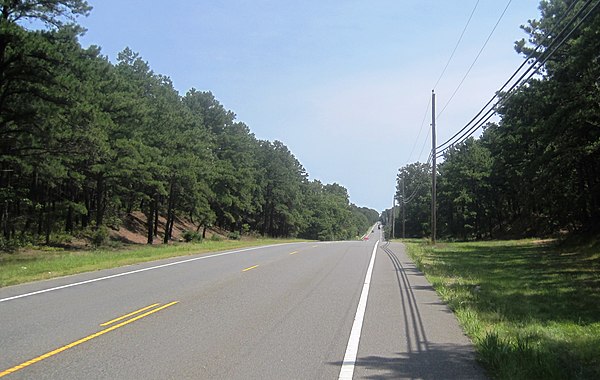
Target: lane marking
[80, 341]
[136, 271]
[128, 315]
[293, 253]
[347, 370]
[249, 268]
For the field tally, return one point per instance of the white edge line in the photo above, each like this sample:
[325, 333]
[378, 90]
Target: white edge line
[135, 271]
[347, 370]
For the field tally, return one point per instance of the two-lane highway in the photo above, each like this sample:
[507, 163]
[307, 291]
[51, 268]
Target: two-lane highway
[283, 311]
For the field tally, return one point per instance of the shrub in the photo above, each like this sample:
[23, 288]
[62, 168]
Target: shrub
[99, 236]
[234, 235]
[8, 245]
[191, 236]
[61, 238]
[246, 228]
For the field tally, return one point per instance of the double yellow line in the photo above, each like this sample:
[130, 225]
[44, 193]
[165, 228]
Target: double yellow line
[95, 335]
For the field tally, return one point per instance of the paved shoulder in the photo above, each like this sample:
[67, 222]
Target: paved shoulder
[408, 332]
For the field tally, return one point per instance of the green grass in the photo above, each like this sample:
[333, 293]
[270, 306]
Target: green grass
[367, 232]
[532, 308]
[39, 264]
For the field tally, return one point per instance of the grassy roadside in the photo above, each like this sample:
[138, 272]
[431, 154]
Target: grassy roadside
[367, 232]
[531, 308]
[33, 265]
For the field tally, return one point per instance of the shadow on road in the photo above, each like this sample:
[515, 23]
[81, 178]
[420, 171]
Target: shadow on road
[437, 362]
[422, 358]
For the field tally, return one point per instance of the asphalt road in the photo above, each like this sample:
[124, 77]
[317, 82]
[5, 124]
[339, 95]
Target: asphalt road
[278, 312]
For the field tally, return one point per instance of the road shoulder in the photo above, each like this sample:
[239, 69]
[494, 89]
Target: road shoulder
[408, 331]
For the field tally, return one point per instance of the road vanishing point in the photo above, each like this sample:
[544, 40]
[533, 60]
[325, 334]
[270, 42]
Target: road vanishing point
[327, 310]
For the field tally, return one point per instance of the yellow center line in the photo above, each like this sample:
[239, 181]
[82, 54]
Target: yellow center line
[293, 253]
[247, 269]
[128, 315]
[80, 341]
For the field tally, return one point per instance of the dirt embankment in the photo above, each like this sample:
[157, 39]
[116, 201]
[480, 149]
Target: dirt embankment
[134, 229]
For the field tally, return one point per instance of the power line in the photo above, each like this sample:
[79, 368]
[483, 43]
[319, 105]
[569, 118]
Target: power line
[419, 186]
[420, 130]
[501, 102]
[516, 72]
[413, 194]
[537, 64]
[521, 82]
[438, 81]
[475, 60]
[456, 46]
[425, 143]
[466, 132]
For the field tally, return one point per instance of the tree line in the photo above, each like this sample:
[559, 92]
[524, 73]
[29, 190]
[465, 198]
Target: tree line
[535, 172]
[85, 141]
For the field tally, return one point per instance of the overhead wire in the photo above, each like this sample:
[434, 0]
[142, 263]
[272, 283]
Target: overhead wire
[415, 192]
[535, 66]
[475, 60]
[420, 130]
[492, 111]
[456, 46]
[410, 197]
[466, 132]
[538, 63]
[425, 143]
[440, 78]
[514, 74]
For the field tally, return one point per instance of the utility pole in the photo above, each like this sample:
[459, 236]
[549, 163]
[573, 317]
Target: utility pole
[433, 170]
[393, 216]
[403, 206]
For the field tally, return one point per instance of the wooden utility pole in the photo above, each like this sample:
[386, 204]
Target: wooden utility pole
[393, 216]
[433, 169]
[403, 206]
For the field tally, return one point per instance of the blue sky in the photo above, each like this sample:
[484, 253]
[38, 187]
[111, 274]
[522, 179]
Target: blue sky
[344, 84]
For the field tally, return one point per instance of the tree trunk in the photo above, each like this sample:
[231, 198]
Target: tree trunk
[155, 208]
[85, 219]
[100, 202]
[150, 216]
[40, 221]
[130, 205]
[271, 217]
[69, 220]
[169, 230]
[4, 221]
[49, 223]
[169, 222]
[26, 227]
